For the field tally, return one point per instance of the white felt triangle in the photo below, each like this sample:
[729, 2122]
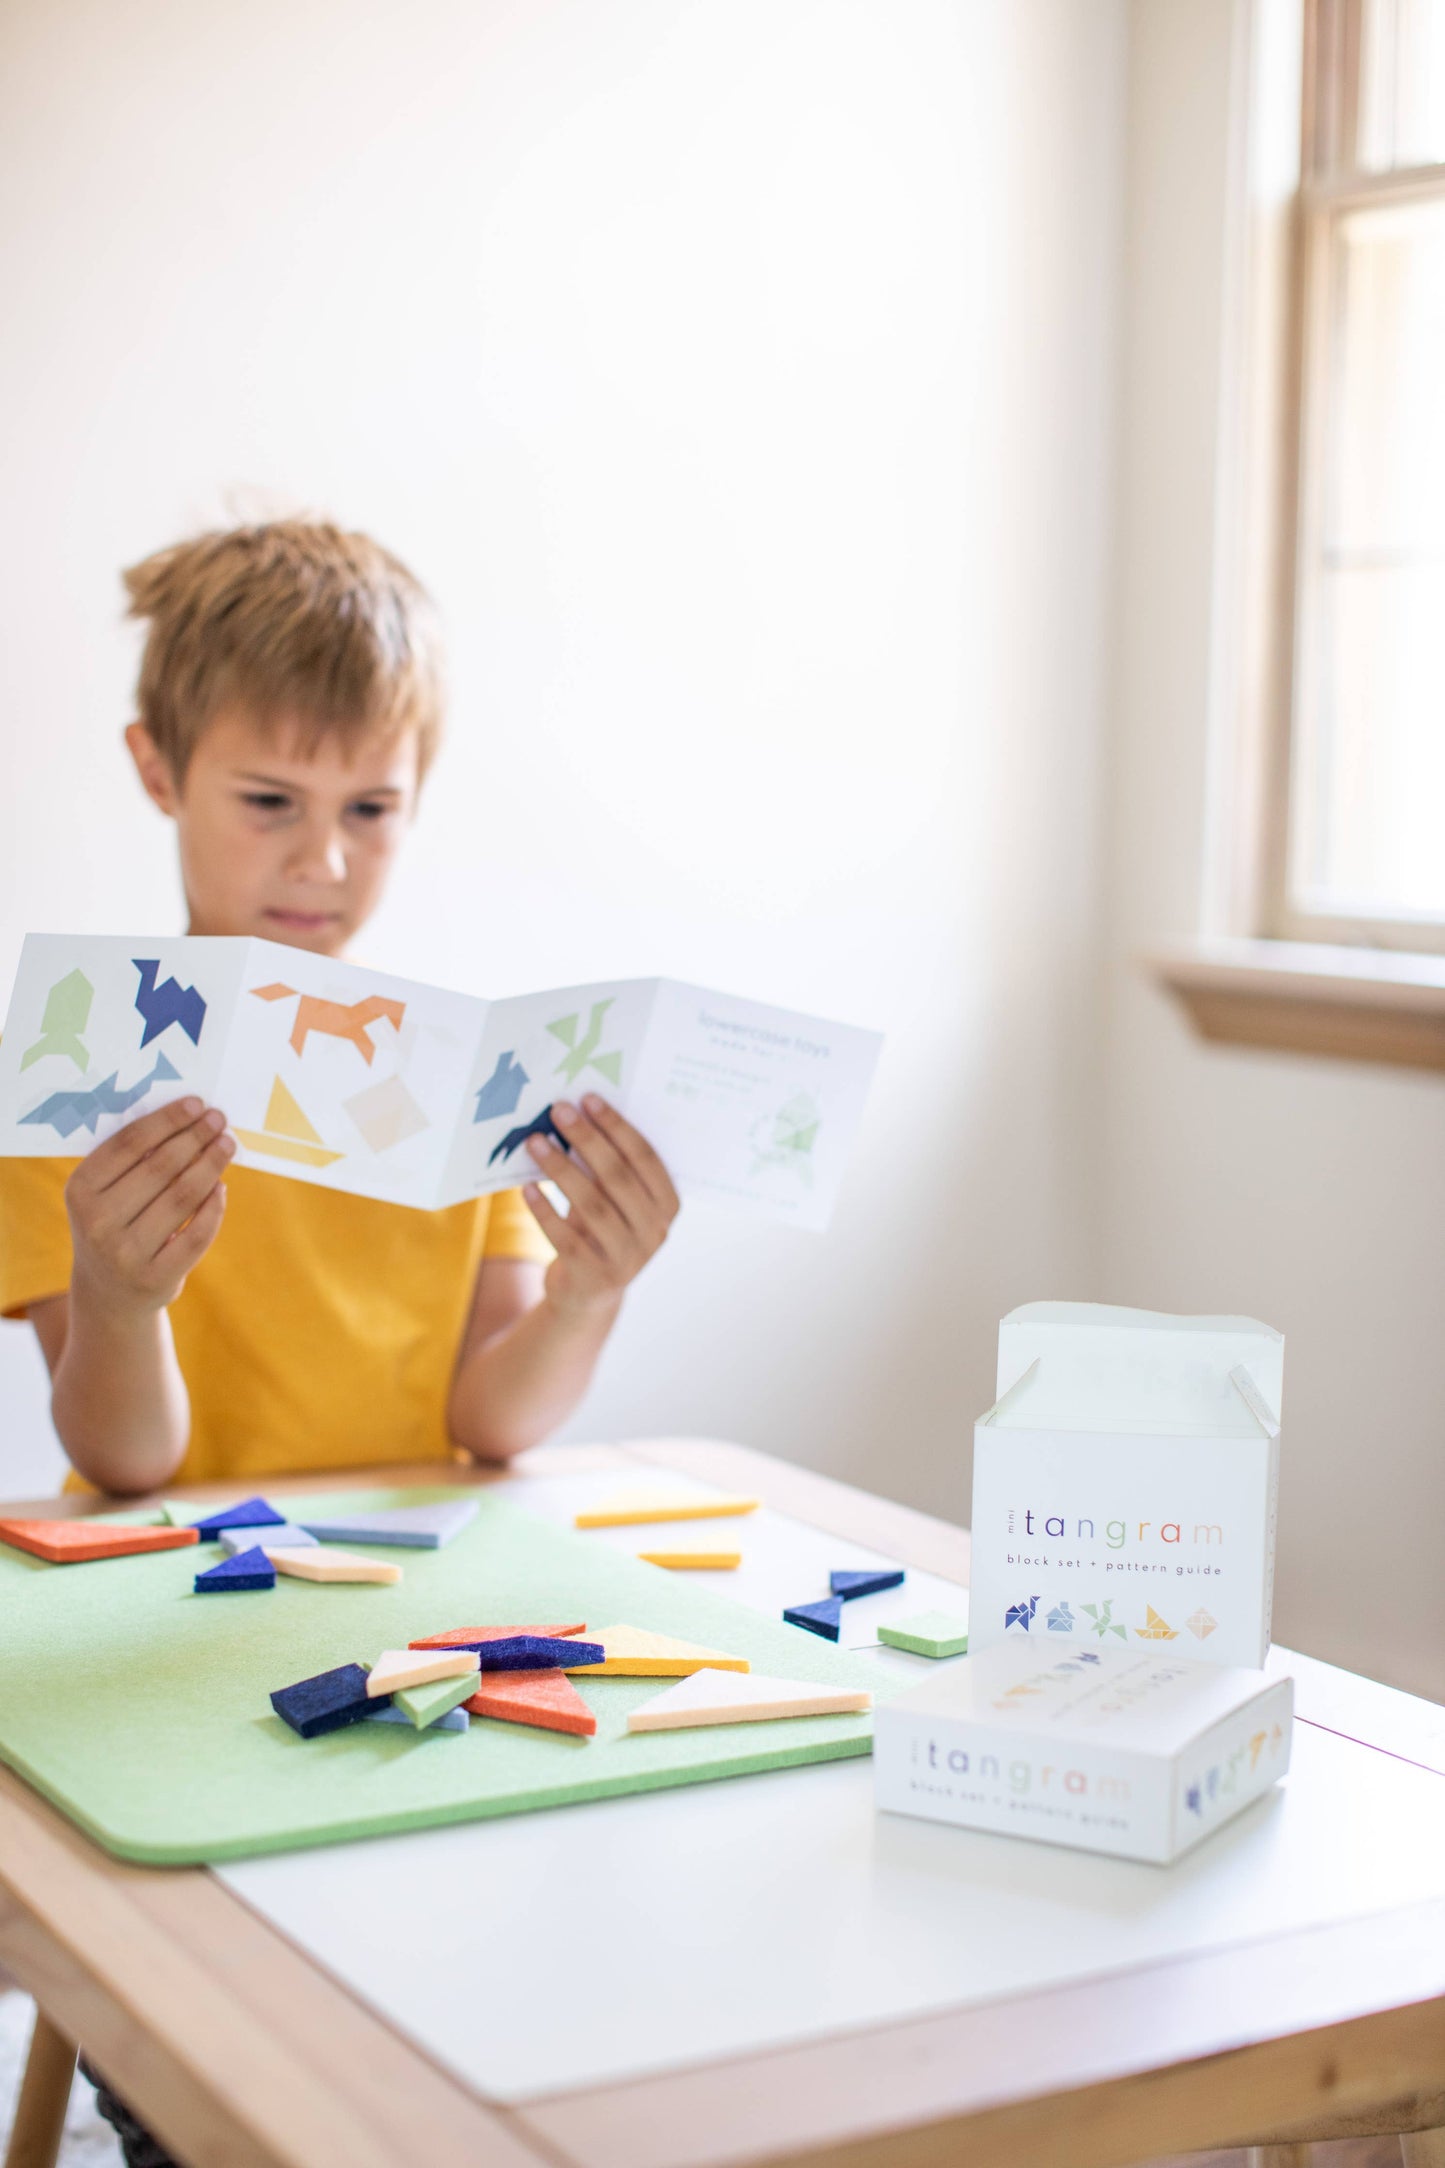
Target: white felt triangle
[728, 1697]
[396, 1668]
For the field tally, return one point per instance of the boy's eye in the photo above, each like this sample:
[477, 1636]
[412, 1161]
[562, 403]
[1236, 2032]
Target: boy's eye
[370, 810]
[266, 801]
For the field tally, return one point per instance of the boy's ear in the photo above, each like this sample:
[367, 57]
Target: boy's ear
[152, 768]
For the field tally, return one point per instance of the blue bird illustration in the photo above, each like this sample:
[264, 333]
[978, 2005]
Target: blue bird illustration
[541, 1125]
[65, 1112]
[502, 1090]
[1021, 1614]
[166, 1004]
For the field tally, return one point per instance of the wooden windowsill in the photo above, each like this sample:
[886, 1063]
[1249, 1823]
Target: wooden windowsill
[1301, 997]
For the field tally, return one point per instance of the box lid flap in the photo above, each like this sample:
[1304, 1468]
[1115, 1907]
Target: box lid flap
[1092, 1366]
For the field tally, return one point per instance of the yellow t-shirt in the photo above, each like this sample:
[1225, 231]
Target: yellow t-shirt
[320, 1330]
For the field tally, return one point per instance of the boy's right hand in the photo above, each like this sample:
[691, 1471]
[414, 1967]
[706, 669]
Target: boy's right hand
[146, 1205]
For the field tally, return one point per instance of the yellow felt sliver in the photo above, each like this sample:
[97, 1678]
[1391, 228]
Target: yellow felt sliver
[633, 1653]
[323, 1562]
[627, 1507]
[693, 1561]
[716, 1697]
[395, 1668]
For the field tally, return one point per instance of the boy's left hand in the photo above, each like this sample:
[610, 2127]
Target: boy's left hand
[620, 1198]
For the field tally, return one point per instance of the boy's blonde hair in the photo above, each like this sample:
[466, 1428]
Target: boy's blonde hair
[293, 621]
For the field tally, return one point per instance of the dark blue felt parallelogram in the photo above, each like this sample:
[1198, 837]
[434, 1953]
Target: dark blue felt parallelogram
[849, 1585]
[533, 1652]
[246, 1569]
[325, 1703]
[824, 1617]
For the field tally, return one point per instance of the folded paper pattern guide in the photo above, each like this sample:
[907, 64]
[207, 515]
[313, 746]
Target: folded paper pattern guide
[386, 1087]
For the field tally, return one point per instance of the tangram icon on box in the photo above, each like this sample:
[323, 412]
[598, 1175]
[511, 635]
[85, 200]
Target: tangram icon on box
[1155, 1628]
[386, 1114]
[1201, 1624]
[288, 1133]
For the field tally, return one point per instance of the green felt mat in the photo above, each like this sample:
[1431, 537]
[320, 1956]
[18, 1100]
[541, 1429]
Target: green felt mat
[142, 1709]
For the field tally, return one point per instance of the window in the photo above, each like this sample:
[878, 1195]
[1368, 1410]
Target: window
[1357, 848]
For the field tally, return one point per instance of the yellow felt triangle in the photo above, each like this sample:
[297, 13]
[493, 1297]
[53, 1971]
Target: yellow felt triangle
[629, 1506]
[633, 1653]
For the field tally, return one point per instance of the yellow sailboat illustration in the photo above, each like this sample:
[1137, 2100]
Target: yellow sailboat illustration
[288, 1134]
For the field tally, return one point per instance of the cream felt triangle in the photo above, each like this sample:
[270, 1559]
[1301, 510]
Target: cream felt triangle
[633, 1653]
[396, 1668]
[721, 1697]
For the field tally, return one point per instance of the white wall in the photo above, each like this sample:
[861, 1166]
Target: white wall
[739, 373]
[1305, 1192]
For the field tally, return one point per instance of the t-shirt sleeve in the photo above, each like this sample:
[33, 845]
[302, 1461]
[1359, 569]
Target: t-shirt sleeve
[34, 1232]
[512, 1231]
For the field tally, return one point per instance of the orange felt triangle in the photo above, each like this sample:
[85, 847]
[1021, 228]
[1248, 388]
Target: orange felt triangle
[547, 1699]
[459, 1636]
[71, 1543]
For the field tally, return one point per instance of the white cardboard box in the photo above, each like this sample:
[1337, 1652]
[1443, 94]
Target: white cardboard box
[1124, 1483]
[1131, 1752]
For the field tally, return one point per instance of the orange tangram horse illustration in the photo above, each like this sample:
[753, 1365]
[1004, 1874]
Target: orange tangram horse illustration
[338, 1019]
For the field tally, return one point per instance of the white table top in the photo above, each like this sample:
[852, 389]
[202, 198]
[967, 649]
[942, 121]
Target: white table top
[545, 1952]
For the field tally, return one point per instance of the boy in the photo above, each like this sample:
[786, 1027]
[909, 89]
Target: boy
[201, 1321]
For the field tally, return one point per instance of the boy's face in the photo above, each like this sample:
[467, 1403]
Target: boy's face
[280, 845]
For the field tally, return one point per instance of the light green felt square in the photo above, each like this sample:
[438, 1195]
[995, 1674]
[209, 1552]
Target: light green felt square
[143, 1710]
[928, 1633]
[424, 1704]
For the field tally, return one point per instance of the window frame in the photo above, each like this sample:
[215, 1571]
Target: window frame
[1332, 185]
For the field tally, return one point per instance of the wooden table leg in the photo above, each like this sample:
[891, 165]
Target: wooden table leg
[1423, 2149]
[44, 2096]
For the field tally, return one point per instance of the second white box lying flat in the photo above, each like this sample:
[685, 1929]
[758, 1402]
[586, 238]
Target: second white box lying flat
[1129, 1752]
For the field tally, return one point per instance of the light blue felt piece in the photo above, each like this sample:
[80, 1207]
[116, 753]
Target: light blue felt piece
[421, 1528]
[281, 1533]
[454, 1720]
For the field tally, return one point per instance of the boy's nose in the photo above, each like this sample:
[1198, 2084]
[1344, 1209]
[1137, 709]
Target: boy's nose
[321, 856]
